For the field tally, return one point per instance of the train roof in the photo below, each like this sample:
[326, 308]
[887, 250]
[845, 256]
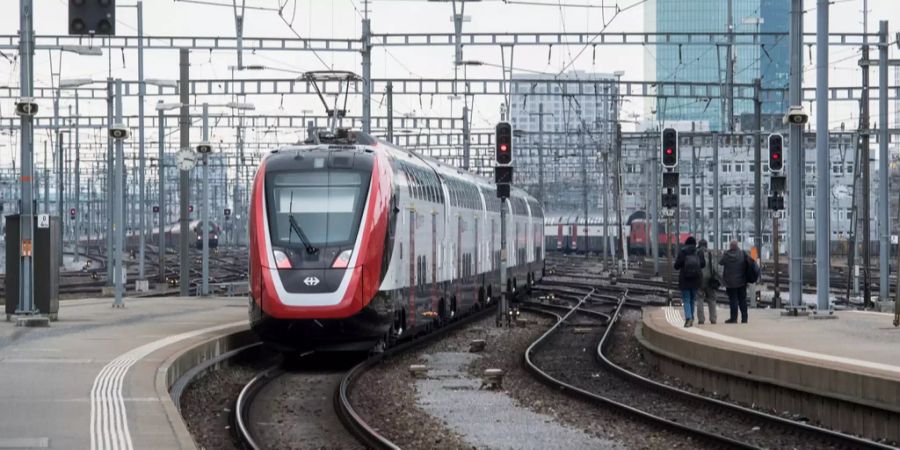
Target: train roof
[363, 142]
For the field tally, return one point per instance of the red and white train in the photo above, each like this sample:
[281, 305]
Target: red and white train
[355, 242]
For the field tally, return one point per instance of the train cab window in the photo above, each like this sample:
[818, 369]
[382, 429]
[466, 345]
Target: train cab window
[326, 205]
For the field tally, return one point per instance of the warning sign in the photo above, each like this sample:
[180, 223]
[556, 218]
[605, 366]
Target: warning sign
[26, 247]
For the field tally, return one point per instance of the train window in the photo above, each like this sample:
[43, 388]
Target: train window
[327, 206]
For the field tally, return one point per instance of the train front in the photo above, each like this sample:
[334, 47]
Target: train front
[319, 218]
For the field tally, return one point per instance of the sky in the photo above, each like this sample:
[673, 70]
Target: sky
[342, 19]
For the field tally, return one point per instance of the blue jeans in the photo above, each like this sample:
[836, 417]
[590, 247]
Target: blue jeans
[688, 297]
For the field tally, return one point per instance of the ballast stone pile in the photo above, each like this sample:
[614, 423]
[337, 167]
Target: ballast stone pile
[490, 418]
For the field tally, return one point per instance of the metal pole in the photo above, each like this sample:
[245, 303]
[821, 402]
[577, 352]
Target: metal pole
[867, 177]
[109, 183]
[504, 294]
[669, 271]
[607, 239]
[205, 219]
[584, 192]
[118, 195]
[367, 74]
[466, 146]
[776, 298]
[541, 153]
[77, 181]
[717, 195]
[729, 69]
[693, 218]
[184, 196]
[796, 230]
[653, 218]
[60, 170]
[884, 219]
[142, 200]
[26, 218]
[161, 173]
[757, 167]
[823, 162]
[390, 111]
[618, 196]
[702, 216]
[45, 177]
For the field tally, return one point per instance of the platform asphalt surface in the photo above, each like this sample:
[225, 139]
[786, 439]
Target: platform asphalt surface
[89, 380]
[859, 339]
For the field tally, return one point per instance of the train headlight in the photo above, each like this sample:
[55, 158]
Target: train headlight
[281, 260]
[342, 260]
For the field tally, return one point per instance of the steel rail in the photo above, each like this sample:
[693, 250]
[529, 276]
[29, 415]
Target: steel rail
[844, 439]
[593, 397]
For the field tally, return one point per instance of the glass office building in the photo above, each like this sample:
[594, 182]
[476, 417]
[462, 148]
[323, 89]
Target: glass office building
[708, 63]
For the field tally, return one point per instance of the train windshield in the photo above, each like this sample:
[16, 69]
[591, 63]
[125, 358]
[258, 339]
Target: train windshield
[325, 205]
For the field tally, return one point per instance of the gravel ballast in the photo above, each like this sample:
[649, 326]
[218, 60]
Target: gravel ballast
[410, 425]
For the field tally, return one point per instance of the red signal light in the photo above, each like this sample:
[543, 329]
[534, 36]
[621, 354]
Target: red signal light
[668, 151]
[776, 156]
[504, 148]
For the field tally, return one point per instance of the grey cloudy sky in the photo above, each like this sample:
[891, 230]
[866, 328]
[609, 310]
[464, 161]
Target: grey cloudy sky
[341, 19]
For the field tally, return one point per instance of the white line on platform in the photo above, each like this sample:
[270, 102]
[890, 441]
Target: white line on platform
[674, 317]
[109, 420]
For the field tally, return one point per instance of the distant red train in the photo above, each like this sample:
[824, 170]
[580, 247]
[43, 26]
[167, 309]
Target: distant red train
[637, 240]
[571, 235]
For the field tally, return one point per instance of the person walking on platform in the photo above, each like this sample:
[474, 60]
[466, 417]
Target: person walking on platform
[734, 275]
[709, 284]
[690, 265]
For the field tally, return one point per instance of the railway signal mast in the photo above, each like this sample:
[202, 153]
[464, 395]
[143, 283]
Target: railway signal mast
[777, 186]
[503, 174]
[669, 160]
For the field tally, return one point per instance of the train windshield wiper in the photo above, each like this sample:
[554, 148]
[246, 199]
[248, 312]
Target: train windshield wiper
[296, 229]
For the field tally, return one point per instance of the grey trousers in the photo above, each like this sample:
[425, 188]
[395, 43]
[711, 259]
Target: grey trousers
[707, 296]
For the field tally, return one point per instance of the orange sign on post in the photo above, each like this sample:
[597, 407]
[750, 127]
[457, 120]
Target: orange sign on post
[754, 253]
[26, 247]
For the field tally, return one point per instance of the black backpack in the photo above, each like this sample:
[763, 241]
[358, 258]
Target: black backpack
[751, 269]
[692, 269]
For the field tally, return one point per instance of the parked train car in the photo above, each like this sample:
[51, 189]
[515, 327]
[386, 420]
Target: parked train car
[356, 243]
[568, 234]
[173, 236]
[638, 238]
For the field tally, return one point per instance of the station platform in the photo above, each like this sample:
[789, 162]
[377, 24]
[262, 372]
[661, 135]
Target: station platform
[842, 373]
[98, 378]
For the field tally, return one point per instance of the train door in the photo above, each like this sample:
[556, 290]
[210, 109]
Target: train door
[459, 256]
[475, 261]
[559, 237]
[413, 265]
[574, 237]
[434, 258]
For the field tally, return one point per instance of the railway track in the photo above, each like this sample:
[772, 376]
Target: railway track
[341, 380]
[558, 358]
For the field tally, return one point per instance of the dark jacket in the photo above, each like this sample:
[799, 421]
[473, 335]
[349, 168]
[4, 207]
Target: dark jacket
[710, 272]
[733, 264]
[683, 282]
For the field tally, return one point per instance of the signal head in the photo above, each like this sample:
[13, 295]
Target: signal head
[776, 152]
[669, 148]
[504, 143]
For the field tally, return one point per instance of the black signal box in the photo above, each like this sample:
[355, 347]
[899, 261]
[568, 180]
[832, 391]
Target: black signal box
[502, 191]
[776, 203]
[778, 184]
[503, 174]
[92, 17]
[670, 200]
[670, 180]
